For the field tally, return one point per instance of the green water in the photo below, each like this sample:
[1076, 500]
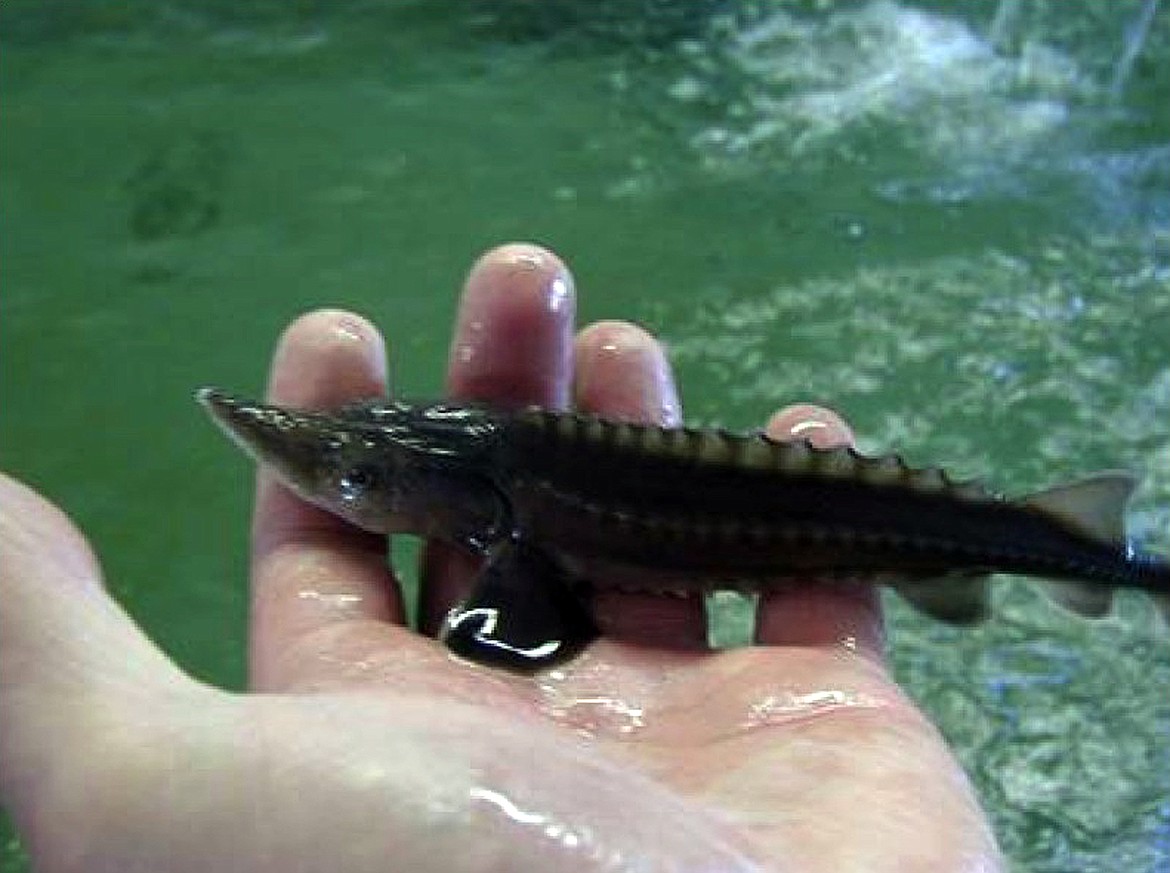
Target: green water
[966, 253]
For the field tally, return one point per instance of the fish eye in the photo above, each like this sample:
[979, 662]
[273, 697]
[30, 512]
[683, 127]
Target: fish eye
[356, 481]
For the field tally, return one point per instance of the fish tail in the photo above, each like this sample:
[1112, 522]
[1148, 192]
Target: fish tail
[1093, 505]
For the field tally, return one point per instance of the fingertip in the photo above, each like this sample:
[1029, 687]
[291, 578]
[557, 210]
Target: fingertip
[512, 343]
[513, 259]
[514, 327]
[622, 372]
[327, 357]
[822, 427]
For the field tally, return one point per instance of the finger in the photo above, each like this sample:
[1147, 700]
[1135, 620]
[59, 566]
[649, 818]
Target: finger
[312, 572]
[72, 663]
[512, 346]
[622, 373]
[816, 612]
[513, 336]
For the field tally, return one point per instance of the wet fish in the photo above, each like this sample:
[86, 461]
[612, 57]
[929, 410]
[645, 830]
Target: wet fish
[559, 503]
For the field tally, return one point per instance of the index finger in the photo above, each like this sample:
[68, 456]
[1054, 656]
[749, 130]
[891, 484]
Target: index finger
[310, 569]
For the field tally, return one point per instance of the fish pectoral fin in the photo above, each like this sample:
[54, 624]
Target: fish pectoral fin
[956, 598]
[1094, 505]
[1162, 604]
[1084, 598]
[522, 614]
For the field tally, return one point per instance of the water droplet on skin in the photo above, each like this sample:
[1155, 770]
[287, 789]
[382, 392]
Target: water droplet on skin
[786, 706]
[559, 294]
[586, 698]
[593, 714]
[529, 260]
[349, 330]
[341, 599]
[802, 428]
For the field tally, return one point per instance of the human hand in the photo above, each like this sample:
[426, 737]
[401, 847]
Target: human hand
[366, 746]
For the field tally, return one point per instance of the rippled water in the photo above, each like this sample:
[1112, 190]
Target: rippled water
[1021, 362]
[963, 247]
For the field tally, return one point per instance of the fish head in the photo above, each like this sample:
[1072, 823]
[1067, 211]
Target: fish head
[386, 468]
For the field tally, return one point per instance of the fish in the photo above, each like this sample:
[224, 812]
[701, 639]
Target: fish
[562, 504]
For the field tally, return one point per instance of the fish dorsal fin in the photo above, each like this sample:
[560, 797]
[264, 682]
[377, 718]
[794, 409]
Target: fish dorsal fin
[1094, 505]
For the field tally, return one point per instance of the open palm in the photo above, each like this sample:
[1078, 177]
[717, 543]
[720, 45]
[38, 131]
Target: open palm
[365, 746]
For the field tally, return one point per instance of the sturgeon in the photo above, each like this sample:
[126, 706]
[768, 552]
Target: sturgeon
[563, 503]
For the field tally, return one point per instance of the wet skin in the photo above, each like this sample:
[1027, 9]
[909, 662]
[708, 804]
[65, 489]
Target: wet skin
[372, 748]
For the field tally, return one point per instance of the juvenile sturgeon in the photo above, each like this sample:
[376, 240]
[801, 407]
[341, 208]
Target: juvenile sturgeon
[557, 502]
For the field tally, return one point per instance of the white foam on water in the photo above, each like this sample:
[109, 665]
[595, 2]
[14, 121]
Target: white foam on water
[806, 85]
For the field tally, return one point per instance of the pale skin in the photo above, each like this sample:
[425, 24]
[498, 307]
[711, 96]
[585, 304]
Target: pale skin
[364, 746]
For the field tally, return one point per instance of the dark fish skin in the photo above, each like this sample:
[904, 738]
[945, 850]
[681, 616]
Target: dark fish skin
[552, 499]
[729, 506]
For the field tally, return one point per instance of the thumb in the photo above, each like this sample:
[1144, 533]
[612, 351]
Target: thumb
[71, 661]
